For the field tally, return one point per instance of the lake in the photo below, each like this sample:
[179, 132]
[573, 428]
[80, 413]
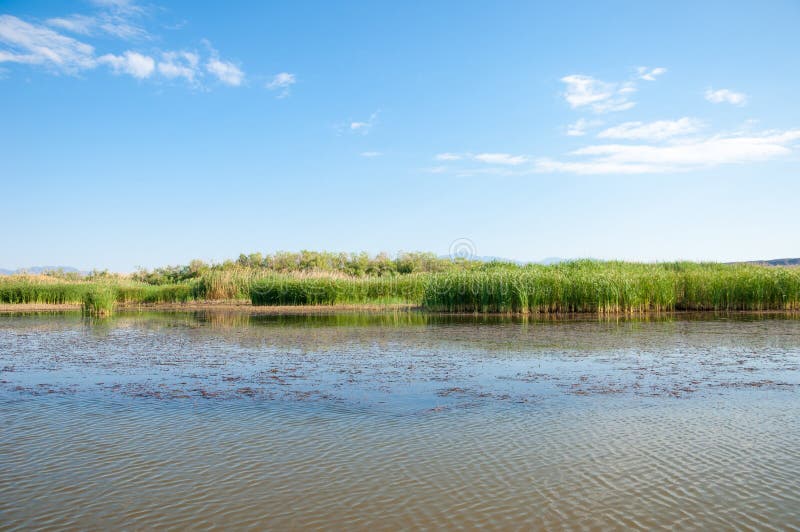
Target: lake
[399, 420]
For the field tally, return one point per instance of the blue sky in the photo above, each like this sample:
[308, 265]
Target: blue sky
[142, 134]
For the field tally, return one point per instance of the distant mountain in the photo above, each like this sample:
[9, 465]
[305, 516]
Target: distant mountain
[776, 262]
[40, 269]
[487, 258]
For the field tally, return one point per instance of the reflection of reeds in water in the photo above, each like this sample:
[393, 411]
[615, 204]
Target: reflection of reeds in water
[224, 320]
[345, 319]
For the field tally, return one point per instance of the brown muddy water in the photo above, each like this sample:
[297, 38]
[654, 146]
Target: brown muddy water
[230, 421]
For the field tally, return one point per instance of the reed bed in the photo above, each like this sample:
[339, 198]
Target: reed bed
[609, 287]
[338, 289]
[573, 287]
[26, 290]
[99, 300]
[228, 284]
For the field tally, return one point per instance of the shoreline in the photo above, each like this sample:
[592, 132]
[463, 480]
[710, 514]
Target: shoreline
[289, 310]
[221, 305]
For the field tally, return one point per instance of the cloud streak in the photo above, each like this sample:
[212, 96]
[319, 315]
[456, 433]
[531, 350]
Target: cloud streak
[490, 158]
[675, 156]
[650, 74]
[658, 130]
[117, 19]
[37, 45]
[581, 127]
[505, 159]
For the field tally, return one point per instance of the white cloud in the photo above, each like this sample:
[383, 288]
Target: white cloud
[579, 128]
[676, 156]
[726, 96]
[370, 154]
[37, 45]
[284, 81]
[362, 126]
[227, 72]
[500, 158]
[599, 96]
[546, 165]
[137, 65]
[585, 90]
[658, 130]
[179, 65]
[40, 45]
[650, 74]
[448, 157]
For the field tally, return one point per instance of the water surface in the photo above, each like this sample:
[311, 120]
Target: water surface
[217, 420]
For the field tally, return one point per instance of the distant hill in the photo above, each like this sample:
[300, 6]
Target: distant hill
[40, 269]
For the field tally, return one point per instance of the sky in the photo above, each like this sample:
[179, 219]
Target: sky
[138, 134]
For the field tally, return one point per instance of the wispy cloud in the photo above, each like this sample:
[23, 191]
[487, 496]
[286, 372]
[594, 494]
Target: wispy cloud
[581, 127]
[225, 71]
[658, 130]
[362, 127]
[440, 169]
[80, 24]
[726, 96]
[587, 92]
[650, 74]
[115, 18]
[675, 156]
[282, 82]
[135, 64]
[42, 46]
[503, 159]
[599, 96]
[38, 45]
[371, 154]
